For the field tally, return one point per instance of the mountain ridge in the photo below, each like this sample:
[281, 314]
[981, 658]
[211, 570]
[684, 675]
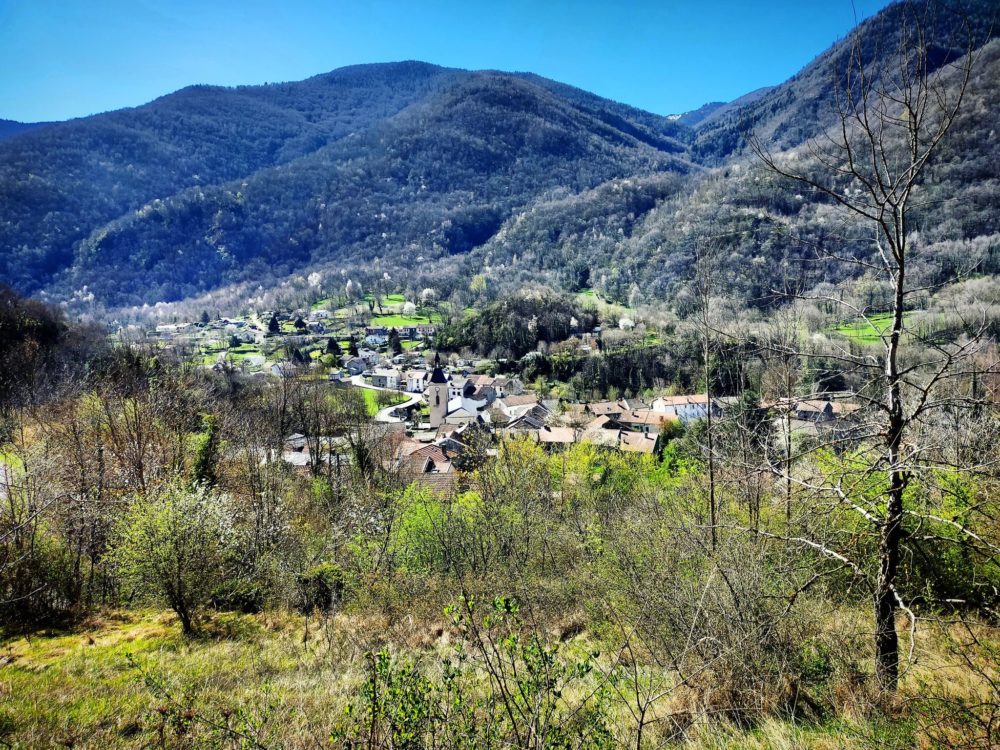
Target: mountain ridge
[211, 186]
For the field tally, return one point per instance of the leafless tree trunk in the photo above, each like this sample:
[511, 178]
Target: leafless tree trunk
[893, 112]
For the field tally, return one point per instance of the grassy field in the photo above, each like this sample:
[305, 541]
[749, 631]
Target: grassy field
[130, 679]
[397, 320]
[126, 679]
[241, 352]
[372, 403]
[589, 298]
[865, 333]
[322, 304]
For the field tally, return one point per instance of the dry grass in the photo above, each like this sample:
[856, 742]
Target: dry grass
[108, 683]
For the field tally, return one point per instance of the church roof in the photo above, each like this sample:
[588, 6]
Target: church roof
[438, 376]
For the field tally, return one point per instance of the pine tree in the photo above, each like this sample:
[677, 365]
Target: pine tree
[395, 345]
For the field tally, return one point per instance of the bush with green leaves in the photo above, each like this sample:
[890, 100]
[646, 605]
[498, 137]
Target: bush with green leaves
[171, 545]
[321, 587]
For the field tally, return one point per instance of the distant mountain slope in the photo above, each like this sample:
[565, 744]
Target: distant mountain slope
[769, 234]
[791, 113]
[716, 112]
[636, 238]
[61, 183]
[438, 178]
[452, 172]
[10, 128]
[697, 116]
[209, 185]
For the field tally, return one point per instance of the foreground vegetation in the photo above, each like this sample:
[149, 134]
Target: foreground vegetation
[130, 679]
[168, 581]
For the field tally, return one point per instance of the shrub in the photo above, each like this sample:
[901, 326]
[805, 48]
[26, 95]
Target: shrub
[172, 546]
[321, 587]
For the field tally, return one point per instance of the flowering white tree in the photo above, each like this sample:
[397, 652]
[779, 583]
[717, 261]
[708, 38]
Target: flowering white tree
[353, 290]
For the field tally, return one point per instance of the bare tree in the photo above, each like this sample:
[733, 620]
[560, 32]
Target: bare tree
[893, 111]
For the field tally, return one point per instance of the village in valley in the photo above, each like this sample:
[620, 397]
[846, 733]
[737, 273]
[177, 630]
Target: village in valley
[434, 407]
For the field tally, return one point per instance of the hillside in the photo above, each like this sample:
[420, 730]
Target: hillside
[60, 184]
[417, 165]
[267, 180]
[802, 107]
[435, 180]
[10, 128]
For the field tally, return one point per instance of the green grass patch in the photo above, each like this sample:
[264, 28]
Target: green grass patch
[240, 353]
[90, 687]
[590, 299]
[396, 320]
[376, 400]
[870, 331]
[9, 456]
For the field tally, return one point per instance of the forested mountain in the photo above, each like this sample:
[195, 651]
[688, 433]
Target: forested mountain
[425, 167]
[802, 107]
[10, 128]
[435, 180]
[64, 183]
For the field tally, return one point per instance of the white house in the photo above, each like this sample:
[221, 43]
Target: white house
[685, 408]
[355, 365]
[370, 356]
[415, 381]
[456, 385]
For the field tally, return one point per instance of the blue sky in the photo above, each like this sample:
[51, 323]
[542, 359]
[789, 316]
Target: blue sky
[69, 58]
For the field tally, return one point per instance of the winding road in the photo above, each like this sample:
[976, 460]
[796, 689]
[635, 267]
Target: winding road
[383, 414]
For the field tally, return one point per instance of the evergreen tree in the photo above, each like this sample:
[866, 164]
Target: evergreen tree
[272, 325]
[206, 453]
[395, 345]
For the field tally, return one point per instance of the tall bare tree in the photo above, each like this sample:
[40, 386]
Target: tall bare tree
[894, 109]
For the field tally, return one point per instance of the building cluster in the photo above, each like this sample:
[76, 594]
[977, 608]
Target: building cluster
[451, 414]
